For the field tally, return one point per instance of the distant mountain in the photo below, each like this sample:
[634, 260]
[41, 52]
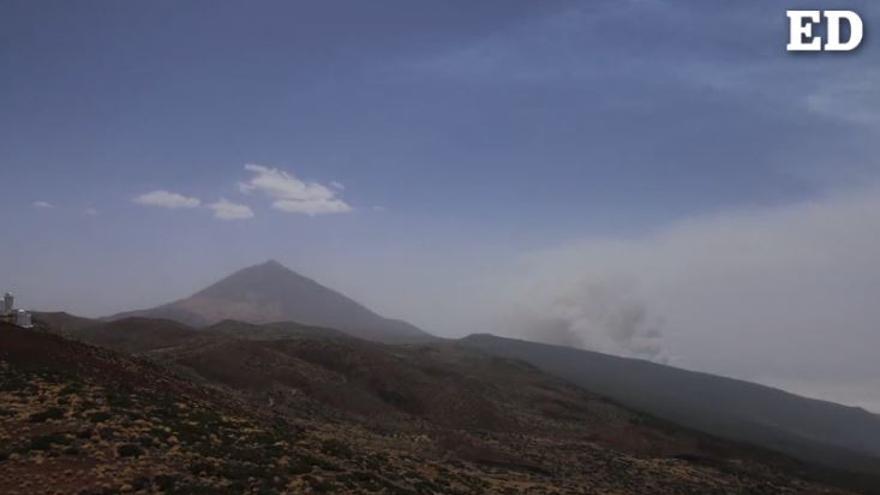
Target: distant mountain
[270, 292]
[813, 430]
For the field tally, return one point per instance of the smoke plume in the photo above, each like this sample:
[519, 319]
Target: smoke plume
[600, 315]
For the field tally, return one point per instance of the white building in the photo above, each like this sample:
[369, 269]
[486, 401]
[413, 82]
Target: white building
[9, 314]
[23, 319]
[8, 304]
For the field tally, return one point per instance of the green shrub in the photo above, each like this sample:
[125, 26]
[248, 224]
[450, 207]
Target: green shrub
[72, 451]
[42, 416]
[99, 417]
[336, 448]
[129, 450]
[45, 442]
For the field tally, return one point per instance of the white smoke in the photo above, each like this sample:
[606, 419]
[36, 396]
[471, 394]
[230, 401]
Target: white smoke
[602, 315]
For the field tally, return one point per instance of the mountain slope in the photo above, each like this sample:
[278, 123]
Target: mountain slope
[61, 322]
[268, 293]
[813, 430]
[136, 335]
[76, 419]
[139, 336]
[339, 415]
[270, 331]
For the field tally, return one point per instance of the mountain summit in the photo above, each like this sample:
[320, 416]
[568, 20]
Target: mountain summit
[270, 292]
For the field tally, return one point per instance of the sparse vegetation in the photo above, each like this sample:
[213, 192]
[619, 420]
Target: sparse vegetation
[141, 428]
[46, 442]
[42, 416]
[129, 450]
[336, 448]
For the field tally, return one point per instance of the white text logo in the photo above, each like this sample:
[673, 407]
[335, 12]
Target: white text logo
[802, 39]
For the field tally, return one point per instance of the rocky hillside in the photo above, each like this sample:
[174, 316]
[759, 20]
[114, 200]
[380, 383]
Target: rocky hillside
[337, 415]
[815, 431]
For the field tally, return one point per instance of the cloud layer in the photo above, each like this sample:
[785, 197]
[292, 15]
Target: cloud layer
[166, 199]
[292, 195]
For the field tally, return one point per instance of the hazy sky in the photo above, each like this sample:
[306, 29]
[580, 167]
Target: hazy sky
[644, 177]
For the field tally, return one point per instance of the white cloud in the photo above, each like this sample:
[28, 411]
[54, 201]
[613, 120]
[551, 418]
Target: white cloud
[166, 199]
[316, 207]
[227, 210]
[42, 204]
[91, 212]
[292, 195]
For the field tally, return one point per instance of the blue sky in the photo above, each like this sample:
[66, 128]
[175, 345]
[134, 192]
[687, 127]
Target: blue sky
[465, 140]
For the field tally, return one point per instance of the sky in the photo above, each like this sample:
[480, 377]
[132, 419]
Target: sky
[650, 178]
